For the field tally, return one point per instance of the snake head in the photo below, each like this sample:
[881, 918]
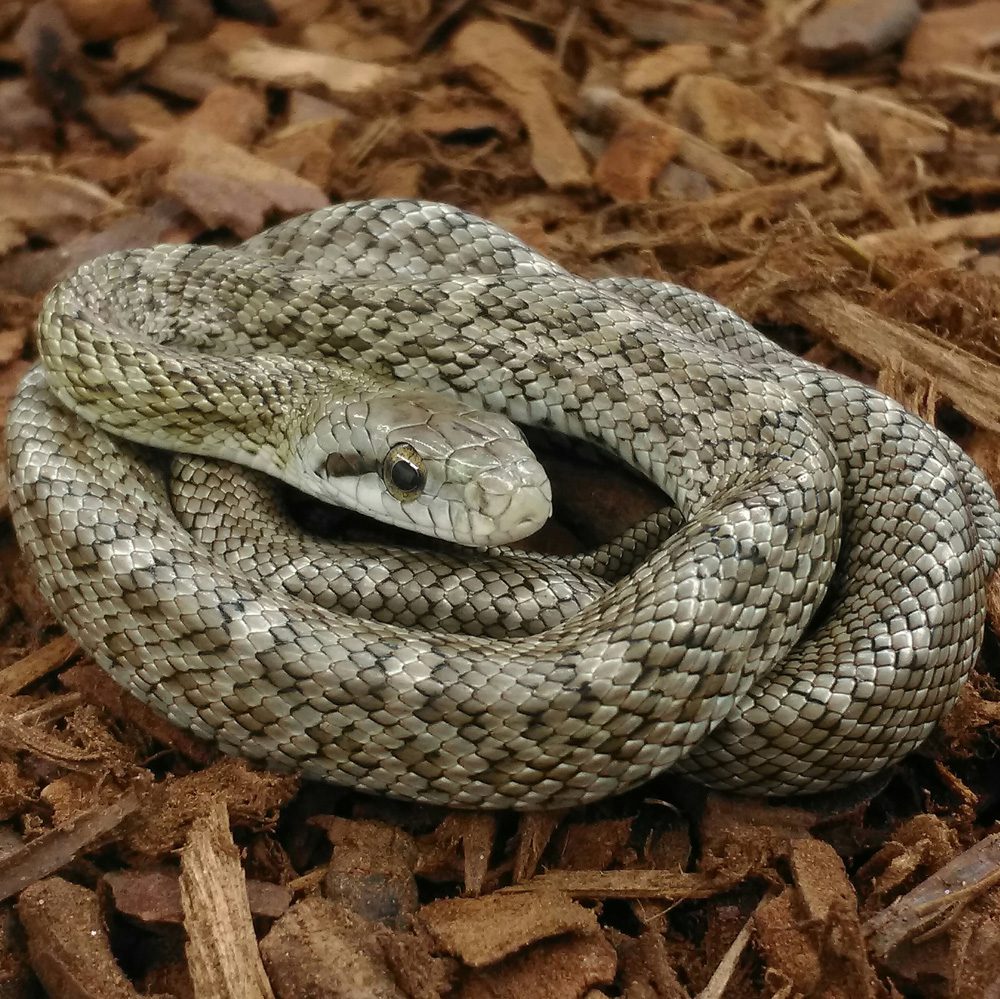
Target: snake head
[428, 463]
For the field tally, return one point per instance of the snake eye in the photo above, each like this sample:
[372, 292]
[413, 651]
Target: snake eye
[403, 472]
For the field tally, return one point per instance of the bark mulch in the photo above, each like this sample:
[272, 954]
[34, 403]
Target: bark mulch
[831, 170]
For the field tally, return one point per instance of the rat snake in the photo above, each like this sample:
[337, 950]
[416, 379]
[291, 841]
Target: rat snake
[800, 618]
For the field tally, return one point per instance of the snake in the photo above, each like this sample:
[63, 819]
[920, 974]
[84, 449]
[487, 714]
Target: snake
[798, 616]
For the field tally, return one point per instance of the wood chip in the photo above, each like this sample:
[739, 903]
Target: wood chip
[732, 116]
[18, 675]
[226, 186]
[957, 883]
[483, 930]
[320, 949]
[290, 67]
[952, 36]
[98, 20]
[657, 69]
[971, 384]
[68, 943]
[849, 31]
[985, 225]
[534, 830]
[565, 968]
[221, 948]
[154, 896]
[56, 848]
[860, 170]
[624, 884]
[637, 154]
[39, 200]
[691, 150]
[371, 871]
[520, 76]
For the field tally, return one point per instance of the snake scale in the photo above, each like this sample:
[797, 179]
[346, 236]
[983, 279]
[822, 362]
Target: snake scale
[799, 619]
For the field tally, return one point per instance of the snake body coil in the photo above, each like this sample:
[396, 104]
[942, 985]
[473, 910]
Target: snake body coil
[807, 622]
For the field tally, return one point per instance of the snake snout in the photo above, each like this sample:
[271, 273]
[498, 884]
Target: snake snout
[516, 506]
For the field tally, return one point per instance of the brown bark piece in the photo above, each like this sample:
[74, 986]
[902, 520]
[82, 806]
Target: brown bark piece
[226, 186]
[820, 877]
[844, 32]
[252, 798]
[915, 850]
[68, 943]
[594, 846]
[235, 114]
[970, 383]
[634, 158]
[626, 884]
[306, 149]
[789, 951]
[741, 837]
[859, 168]
[92, 682]
[953, 36]
[564, 968]
[534, 830]
[703, 22]
[371, 871]
[27, 122]
[731, 116]
[289, 67]
[323, 951]
[811, 937]
[56, 848]
[98, 20]
[970, 874]
[18, 675]
[483, 930]
[521, 77]
[417, 966]
[653, 70]
[222, 949]
[43, 202]
[154, 896]
[692, 151]
[34, 272]
[647, 971]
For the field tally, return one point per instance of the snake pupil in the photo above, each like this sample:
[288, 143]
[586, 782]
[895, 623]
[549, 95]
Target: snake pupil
[403, 472]
[406, 475]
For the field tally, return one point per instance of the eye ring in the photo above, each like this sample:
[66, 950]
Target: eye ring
[403, 472]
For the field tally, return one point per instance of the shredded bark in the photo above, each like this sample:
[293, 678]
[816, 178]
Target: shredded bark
[827, 168]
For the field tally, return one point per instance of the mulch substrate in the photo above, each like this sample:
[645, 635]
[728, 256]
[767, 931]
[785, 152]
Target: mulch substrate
[831, 170]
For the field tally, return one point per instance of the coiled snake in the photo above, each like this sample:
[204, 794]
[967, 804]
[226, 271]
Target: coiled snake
[801, 621]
